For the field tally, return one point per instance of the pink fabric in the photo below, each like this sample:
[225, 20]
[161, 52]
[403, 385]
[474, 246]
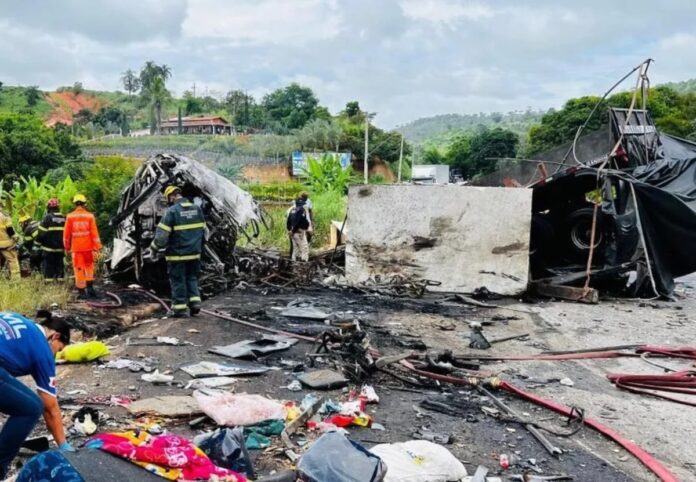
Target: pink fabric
[167, 451]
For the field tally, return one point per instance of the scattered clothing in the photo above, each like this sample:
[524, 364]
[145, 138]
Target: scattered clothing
[257, 436]
[228, 409]
[83, 352]
[169, 456]
[335, 457]
[226, 448]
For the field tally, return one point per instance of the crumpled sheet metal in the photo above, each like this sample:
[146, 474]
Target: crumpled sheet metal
[229, 211]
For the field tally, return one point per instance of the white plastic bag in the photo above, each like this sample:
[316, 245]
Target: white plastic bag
[231, 410]
[419, 461]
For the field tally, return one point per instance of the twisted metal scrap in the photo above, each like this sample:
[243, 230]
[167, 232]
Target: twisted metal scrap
[229, 211]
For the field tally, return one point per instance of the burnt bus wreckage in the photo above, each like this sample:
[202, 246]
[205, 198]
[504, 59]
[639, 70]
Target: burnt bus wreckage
[623, 222]
[229, 210]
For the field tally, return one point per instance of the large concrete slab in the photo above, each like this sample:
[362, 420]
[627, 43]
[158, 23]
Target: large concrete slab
[463, 237]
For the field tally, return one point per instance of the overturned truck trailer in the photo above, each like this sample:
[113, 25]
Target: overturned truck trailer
[631, 214]
[229, 211]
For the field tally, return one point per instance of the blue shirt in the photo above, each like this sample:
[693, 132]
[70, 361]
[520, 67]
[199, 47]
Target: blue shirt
[24, 350]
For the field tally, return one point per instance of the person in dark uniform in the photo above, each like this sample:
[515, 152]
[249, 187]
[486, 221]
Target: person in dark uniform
[31, 247]
[29, 348]
[51, 239]
[181, 234]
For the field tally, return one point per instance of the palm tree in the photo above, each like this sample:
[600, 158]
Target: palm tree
[165, 71]
[159, 95]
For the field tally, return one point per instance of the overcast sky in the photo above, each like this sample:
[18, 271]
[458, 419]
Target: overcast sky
[403, 59]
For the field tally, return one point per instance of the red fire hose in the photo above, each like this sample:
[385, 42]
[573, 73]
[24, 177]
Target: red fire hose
[679, 382]
[645, 458]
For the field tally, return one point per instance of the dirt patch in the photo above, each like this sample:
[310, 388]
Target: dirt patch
[267, 173]
[67, 104]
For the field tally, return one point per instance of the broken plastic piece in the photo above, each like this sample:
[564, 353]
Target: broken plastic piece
[255, 348]
[323, 379]
[211, 369]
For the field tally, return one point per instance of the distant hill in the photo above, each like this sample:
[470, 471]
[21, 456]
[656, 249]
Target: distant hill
[16, 99]
[54, 107]
[440, 129]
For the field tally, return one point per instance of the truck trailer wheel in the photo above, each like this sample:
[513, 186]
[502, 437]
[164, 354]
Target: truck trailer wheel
[579, 225]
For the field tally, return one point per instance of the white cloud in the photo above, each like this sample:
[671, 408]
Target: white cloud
[445, 11]
[264, 22]
[401, 58]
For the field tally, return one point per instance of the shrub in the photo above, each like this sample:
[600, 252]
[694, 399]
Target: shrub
[326, 174]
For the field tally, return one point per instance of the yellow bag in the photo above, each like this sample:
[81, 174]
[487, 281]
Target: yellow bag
[83, 352]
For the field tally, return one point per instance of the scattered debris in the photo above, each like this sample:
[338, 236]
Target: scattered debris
[335, 457]
[567, 382]
[157, 377]
[419, 460]
[83, 352]
[323, 379]
[155, 340]
[228, 409]
[86, 421]
[477, 340]
[216, 369]
[228, 210]
[255, 348]
[146, 365]
[166, 406]
[227, 449]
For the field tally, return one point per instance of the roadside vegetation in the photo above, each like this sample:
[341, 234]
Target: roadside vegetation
[29, 294]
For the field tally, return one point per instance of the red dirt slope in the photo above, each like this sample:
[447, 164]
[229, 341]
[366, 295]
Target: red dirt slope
[66, 104]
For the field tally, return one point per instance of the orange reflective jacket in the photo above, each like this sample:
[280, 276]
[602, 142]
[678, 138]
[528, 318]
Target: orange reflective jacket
[81, 232]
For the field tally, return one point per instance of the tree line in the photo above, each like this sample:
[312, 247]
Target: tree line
[475, 153]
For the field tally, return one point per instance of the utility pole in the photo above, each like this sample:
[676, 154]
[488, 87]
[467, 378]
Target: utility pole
[194, 90]
[401, 157]
[367, 132]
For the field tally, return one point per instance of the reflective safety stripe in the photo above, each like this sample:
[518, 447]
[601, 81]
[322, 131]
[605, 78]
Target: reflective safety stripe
[52, 250]
[188, 257]
[186, 205]
[34, 234]
[56, 228]
[195, 298]
[183, 227]
[165, 227]
[41, 228]
[179, 307]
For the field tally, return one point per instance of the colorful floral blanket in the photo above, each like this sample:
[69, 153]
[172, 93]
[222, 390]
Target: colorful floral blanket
[169, 456]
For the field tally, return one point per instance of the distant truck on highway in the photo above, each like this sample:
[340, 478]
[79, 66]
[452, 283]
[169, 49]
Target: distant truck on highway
[430, 174]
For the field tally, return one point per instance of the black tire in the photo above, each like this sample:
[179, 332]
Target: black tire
[579, 232]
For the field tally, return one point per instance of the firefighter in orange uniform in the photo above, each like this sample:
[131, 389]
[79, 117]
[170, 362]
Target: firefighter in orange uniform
[81, 239]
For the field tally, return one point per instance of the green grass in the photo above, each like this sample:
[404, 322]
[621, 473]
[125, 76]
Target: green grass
[274, 191]
[327, 207]
[29, 294]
